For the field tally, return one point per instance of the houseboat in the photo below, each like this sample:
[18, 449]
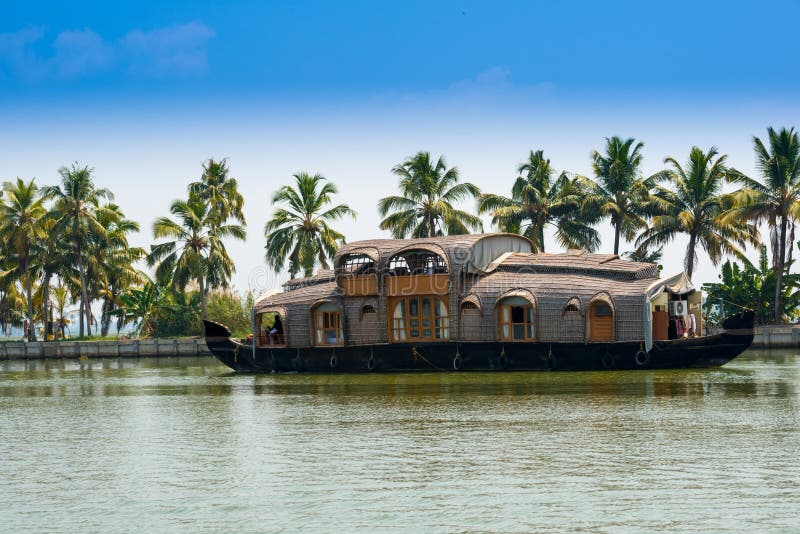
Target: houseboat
[479, 303]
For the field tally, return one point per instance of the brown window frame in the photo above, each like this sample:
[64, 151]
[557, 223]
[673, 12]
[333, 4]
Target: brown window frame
[528, 322]
[438, 324]
[334, 324]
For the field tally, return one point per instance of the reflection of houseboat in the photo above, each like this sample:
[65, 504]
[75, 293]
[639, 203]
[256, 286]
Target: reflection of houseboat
[479, 302]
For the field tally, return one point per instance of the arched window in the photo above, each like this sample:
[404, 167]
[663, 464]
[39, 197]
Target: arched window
[470, 323]
[572, 309]
[417, 272]
[419, 318]
[469, 306]
[356, 274]
[368, 310]
[415, 262]
[357, 264]
[328, 325]
[515, 319]
[601, 318]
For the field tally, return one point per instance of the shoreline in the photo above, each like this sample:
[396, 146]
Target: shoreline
[766, 337]
[129, 348]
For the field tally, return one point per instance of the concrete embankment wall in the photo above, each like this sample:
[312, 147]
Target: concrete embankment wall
[773, 336]
[133, 348]
[777, 337]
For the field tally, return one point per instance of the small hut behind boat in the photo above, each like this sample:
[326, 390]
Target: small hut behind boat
[475, 288]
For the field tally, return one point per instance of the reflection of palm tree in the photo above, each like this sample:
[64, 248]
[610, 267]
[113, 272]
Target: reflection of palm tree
[537, 201]
[425, 206]
[300, 233]
[694, 205]
[775, 199]
[21, 212]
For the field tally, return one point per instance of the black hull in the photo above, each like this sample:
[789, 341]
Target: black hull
[699, 352]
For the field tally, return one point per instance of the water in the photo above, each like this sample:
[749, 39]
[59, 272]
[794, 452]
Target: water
[182, 445]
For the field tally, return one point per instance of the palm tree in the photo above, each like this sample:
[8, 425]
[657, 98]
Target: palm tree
[775, 199]
[620, 192]
[61, 295]
[194, 249]
[537, 201]
[21, 212]
[220, 191]
[77, 203]
[52, 259]
[111, 260]
[299, 232]
[425, 206]
[143, 305]
[644, 255]
[695, 205]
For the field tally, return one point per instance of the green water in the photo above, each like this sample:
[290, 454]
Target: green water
[183, 446]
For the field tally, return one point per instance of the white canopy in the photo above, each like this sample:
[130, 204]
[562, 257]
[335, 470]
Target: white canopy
[485, 252]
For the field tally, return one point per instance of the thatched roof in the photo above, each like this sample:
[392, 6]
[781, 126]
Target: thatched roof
[307, 294]
[579, 262]
[456, 250]
[325, 275]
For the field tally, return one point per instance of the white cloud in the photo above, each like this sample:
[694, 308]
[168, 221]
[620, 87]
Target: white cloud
[80, 52]
[17, 54]
[181, 50]
[173, 51]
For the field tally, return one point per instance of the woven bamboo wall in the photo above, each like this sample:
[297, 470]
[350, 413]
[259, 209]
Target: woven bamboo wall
[552, 279]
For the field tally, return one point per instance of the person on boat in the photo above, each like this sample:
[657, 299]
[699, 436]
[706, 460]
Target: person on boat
[276, 332]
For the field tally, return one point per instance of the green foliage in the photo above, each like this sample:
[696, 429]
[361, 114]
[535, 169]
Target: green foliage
[299, 232]
[161, 311]
[619, 192]
[184, 317]
[752, 287]
[537, 201]
[425, 206]
[775, 199]
[231, 310]
[693, 204]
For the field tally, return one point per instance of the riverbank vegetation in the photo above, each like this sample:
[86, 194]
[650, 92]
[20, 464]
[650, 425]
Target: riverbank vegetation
[67, 244]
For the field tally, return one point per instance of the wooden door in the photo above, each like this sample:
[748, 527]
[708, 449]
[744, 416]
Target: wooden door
[601, 322]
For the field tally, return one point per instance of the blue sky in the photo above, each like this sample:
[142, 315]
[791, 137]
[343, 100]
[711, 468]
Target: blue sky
[144, 92]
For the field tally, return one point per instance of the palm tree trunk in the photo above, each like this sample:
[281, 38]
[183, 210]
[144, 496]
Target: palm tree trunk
[201, 281]
[779, 272]
[85, 304]
[105, 319]
[690, 255]
[82, 277]
[616, 238]
[31, 333]
[46, 301]
[541, 239]
[431, 225]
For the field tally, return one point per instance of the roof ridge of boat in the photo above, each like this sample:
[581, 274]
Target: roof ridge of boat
[434, 239]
